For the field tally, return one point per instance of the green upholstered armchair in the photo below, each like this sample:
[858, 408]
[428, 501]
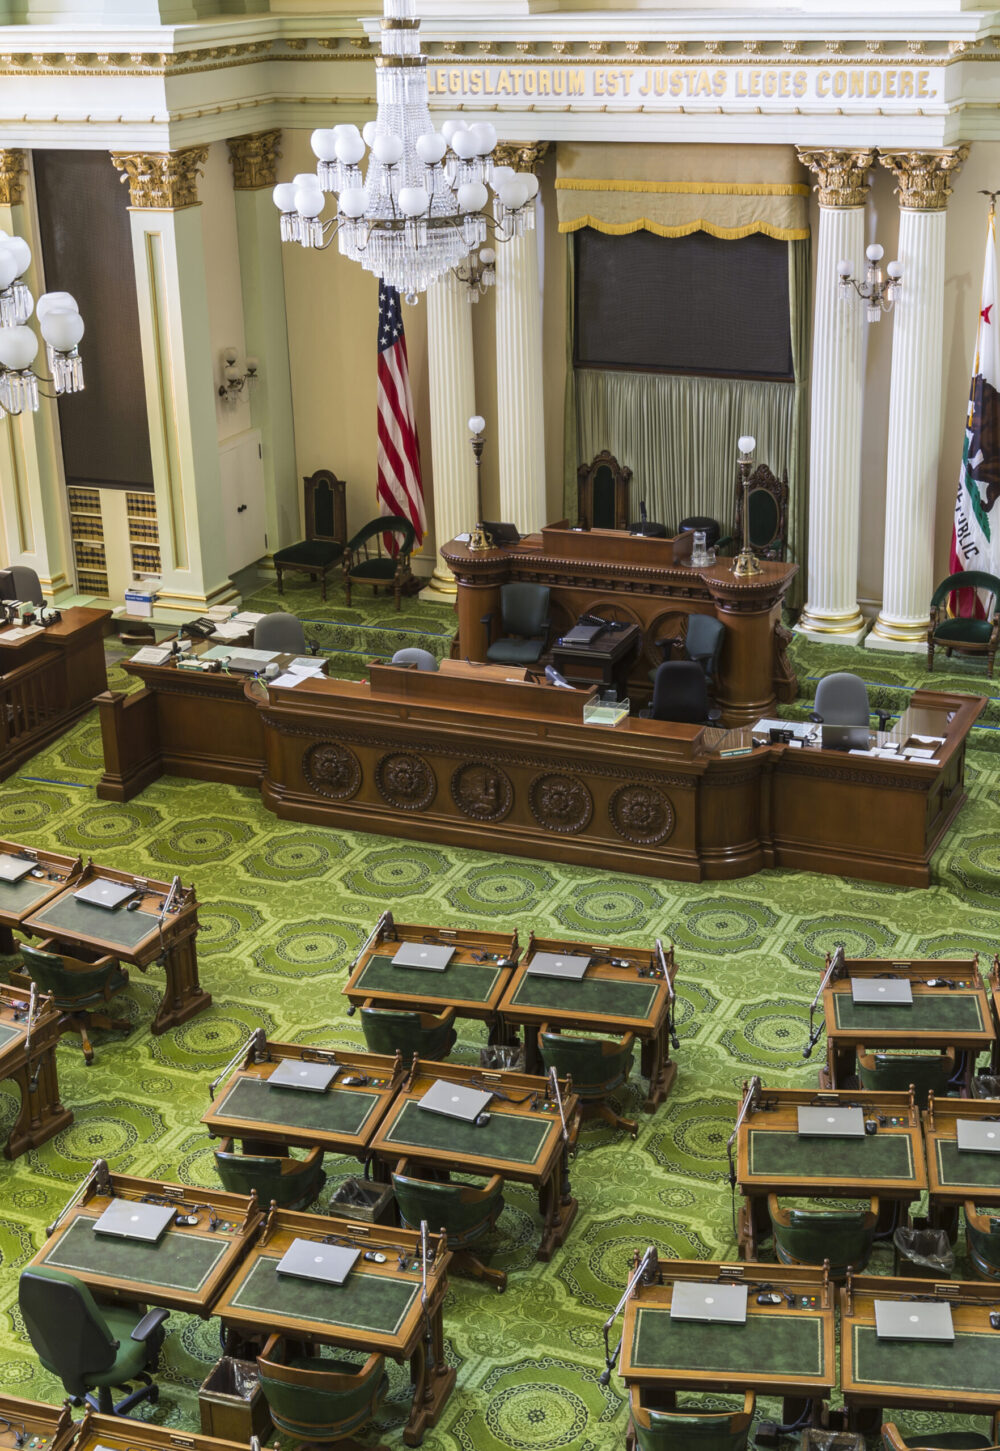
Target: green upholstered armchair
[810, 1236]
[387, 1030]
[653, 1429]
[77, 987]
[464, 1211]
[90, 1346]
[597, 1066]
[289, 1183]
[318, 1398]
[326, 531]
[893, 1440]
[365, 563]
[524, 624]
[982, 1237]
[894, 1072]
[968, 636]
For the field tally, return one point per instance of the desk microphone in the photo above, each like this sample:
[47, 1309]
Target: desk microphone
[553, 676]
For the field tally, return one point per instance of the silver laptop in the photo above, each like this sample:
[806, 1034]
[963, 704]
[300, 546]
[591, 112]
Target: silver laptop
[12, 868]
[455, 1101]
[102, 893]
[893, 990]
[307, 1259]
[978, 1136]
[313, 1077]
[127, 1219]
[423, 954]
[845, 737]
[817, 1121]
[913, 1320]
[692, 1300]
[552, 964]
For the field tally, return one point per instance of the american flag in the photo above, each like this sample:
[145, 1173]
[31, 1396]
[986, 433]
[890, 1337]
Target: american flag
[399, 488]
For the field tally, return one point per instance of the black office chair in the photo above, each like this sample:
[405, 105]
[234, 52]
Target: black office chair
[279, 631]
[842, 699]
[26, 585]
[711, 528]
[702, 643]
[680, 694]
[414, 656]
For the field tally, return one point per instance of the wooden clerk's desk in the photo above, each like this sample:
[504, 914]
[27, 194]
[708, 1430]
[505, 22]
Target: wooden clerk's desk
[48, 679]
[647, 582]
[511, 766]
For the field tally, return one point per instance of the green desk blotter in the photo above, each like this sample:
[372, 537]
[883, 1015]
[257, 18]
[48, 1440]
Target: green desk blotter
[611, 997]
[779, 1345]
[470, 982]
[120, 927]
[507, 1135]
[969, 1364]
[17, 897]
[955, 1167]
[938, 1013]
[8, 1032]
[362, 1302]
[782, 1153]
[337, 1111]
[178, 1261]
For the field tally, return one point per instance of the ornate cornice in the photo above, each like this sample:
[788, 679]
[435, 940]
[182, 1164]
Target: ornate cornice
[521, 155]
[922, 176]
[254, 160]
[842, 175]
[163, 181]
[12, 171]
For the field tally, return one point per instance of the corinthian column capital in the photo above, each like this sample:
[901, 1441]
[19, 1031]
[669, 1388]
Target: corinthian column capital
[163, 181]
[521, 155]
[842, 176]
[12, 171]
[922, 176]
[254, 160]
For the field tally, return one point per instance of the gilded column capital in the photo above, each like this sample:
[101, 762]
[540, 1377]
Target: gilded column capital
[254, 160]
[922, 176]
[521, 155]
[163, 181]
[12, 171]
[842, 176]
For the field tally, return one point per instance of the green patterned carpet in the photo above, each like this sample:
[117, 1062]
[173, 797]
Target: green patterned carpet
[284, 908]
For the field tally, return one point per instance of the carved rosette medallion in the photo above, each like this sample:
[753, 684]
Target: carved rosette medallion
[482, 791]
[641, 814]
[332, 770]
[560, 803]
[405, 781]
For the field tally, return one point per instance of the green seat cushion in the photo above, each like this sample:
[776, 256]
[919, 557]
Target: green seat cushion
[949, 1441]
[515, 652]
[374, 569]
[133, 1355]
[319, 552]
[966, 632]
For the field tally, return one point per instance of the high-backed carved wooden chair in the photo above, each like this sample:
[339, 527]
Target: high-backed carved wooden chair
[602, 489]
[768, 504]
[326, 530]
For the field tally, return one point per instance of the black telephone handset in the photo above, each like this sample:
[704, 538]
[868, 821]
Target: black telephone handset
[601, 622]
[201, 629]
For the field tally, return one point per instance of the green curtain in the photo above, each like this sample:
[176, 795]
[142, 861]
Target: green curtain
[800, 318]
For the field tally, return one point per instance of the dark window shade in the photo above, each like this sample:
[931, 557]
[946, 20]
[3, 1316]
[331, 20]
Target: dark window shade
[693, 304]
[87, 250]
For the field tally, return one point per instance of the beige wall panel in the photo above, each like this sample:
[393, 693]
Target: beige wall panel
[222, 281]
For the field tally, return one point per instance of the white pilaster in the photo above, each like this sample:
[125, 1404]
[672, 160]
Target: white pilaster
[831, 614]
[915, 401]
[452, 402]
[520, 414]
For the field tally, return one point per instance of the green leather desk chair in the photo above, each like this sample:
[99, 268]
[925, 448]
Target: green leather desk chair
[652, 1429]
[968, 636]
[808, 1236]
[894, 1072]
[464, 1211]
[89, 1346]
[320, 1399]
[290, 1183]
[523, 627]
[77, 988]
[429, 1034]
[702, 643]
[598, 1066]
[892, 1440]
[982, 1236]
[365, 563]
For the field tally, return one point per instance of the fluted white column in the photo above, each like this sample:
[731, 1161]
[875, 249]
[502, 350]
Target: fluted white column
[914, 399]
[520, 414]
[453, 403]
[831, 613]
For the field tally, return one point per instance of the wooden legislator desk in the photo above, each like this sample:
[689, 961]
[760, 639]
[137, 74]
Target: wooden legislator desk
[48, 679]
[645, 582]
[128, 1433]
[954, 1176]
[28, 1058]
[31, 1426]
[48, 876]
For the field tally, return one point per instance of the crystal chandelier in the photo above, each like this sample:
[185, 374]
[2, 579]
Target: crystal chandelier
[59, 322]
[423, 205]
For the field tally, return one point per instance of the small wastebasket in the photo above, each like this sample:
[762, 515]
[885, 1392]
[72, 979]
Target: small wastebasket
[231, 1402]
[986, 1085]
[502, 1055]
[362, 1199]
[820, 1438]
[922, 1254]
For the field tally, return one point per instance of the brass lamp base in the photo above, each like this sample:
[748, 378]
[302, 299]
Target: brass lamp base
[746, 564]
[479, 539]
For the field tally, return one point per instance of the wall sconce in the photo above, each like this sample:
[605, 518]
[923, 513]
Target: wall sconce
[236, 378]
[478, 271]
[875, 291]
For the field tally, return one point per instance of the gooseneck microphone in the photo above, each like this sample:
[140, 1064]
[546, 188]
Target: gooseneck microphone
[553, 676]
[647, 1270]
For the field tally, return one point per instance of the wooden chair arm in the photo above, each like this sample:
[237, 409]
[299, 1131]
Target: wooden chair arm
[891, 1438]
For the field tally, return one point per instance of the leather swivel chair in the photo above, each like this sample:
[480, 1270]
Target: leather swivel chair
[25, 585]
[680, 693]
[676, 1429]
[412, 655]
[279, 631]
[320, 1400]
[893, 1440]
[894, 1072]
[808, 1237]
[524, 624]
[364, 562]
[465, 1211]
[702, 643]
[597, 1066]
[982, 1238]
[90, 1347]
[387, 1030]
[290, 1183]
[842, 699]
[77, 989]
[966, 634]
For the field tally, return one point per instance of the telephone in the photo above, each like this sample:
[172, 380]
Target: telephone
[201, 629]
[601, 622]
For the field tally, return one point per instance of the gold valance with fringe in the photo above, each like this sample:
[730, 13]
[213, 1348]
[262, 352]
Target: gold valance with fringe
[728, 191]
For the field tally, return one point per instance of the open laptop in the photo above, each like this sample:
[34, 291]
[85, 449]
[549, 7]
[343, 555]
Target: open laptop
[434, 958]
[307, 1259]
[692, 1300]
[313, 1077]
[12, 868]
[127, 1219]
[892, 990]
[978, 1136]
[819, 1121]
[455, 1101]
[845, 737]
[102, 893]
[554, 964]
[913, 1320]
